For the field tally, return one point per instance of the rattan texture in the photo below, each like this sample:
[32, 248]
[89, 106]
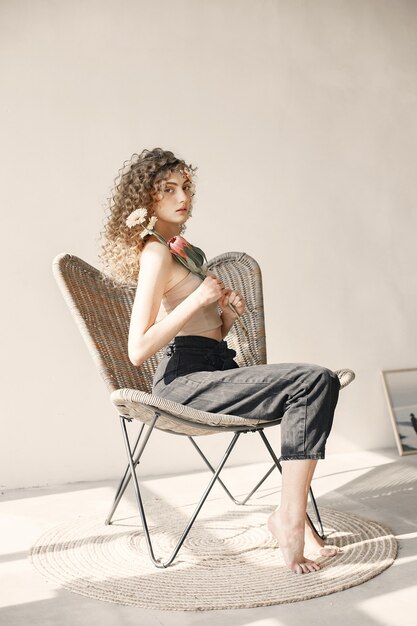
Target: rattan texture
[228, 561]
[102, 314]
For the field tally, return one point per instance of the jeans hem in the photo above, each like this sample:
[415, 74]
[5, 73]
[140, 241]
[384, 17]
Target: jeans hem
[302, 457]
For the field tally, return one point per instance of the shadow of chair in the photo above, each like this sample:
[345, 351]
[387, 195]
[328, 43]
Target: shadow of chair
[102, 313]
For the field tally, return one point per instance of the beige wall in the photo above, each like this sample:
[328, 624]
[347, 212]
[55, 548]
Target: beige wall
[302, 119]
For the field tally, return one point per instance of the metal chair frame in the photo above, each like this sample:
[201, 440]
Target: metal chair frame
[133, 462]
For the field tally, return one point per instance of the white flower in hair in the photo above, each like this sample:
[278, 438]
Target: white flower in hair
[152, 222]
[138, 216]
[148, 229]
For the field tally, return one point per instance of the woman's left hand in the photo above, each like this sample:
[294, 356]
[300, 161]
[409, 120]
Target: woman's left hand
[232, 297]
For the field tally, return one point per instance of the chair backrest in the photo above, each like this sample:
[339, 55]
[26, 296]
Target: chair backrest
[102, 313]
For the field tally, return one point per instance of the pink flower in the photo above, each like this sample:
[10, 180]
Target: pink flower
[178, 245]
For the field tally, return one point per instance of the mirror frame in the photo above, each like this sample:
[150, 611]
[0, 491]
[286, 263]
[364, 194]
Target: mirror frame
[401, 450]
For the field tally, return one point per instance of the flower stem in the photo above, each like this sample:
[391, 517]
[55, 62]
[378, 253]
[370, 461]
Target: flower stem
[239, 319]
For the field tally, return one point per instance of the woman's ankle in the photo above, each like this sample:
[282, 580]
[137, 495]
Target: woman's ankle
[290, 518]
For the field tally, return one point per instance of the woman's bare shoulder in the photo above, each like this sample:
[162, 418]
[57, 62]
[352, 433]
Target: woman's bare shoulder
[155, 248]
[154, 267]
[157, 260]
[155, 257]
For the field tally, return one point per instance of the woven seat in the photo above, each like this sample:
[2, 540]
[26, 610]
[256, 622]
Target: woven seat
[179, 418]
[102, 313]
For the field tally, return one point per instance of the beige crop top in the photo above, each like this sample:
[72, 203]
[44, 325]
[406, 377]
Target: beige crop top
[206, 318]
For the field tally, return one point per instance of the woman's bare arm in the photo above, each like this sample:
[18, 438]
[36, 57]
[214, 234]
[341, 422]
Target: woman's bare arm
[146, 337]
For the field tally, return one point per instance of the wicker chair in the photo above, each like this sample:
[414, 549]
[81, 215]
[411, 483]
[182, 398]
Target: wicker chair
[102, 313]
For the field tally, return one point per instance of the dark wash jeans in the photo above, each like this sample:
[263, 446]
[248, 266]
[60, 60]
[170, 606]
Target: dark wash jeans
[201, 372]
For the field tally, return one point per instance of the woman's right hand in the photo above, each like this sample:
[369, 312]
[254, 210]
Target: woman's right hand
[210, 290]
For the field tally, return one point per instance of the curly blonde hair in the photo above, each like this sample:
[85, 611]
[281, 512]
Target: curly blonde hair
[137, 184]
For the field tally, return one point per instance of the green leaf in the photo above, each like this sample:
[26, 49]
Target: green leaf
[194, 256]
[194, 267]
[201, 253]
[190, 265]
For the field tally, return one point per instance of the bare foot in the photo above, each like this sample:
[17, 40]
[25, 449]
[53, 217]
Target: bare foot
[291, 542]
[315, 545]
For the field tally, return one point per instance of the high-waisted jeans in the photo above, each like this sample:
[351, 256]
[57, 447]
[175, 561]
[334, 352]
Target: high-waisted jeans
[201, 372]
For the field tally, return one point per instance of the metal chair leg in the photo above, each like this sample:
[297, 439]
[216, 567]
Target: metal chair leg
[131, 473]
[239, 502]
[122, 485]
[158, 562]
[127, 475]
[258, 484]
[320, 532]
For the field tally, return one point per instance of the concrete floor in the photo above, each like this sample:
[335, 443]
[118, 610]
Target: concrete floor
[377, 485]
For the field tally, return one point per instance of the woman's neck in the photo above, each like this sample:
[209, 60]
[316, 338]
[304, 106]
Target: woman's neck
[167, 230]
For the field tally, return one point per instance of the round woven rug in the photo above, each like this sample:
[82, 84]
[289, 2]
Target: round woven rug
[229, 559]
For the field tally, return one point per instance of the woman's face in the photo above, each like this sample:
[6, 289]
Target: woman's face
[173, 203]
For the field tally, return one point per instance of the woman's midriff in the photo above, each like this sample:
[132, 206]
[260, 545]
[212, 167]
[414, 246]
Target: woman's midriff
[211, 334]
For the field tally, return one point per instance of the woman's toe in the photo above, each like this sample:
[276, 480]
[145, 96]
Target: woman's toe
[328, 551]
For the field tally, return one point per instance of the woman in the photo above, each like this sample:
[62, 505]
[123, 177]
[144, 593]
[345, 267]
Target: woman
[177, 309]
